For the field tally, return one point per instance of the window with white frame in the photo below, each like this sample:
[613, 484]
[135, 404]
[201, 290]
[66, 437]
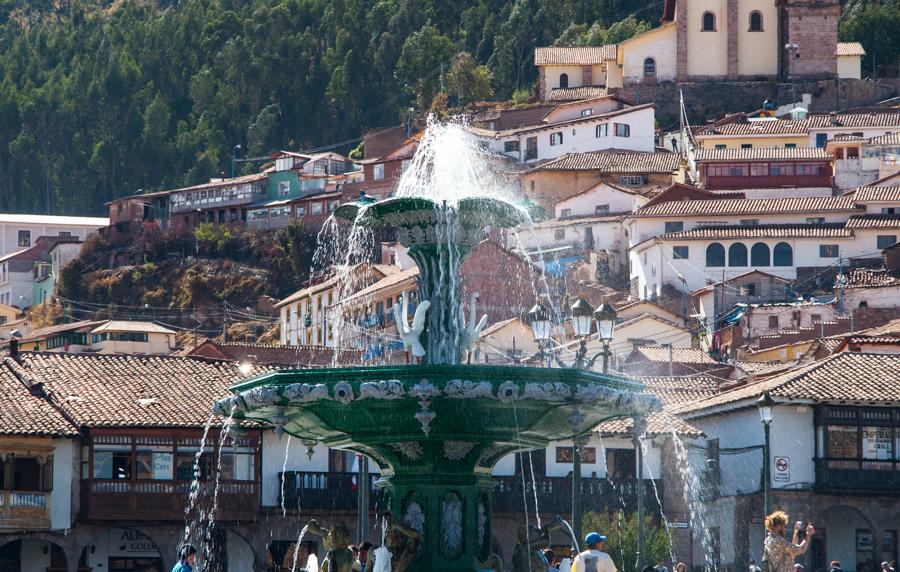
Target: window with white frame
[315, 208]
[631, 180]
[24, 237]
[284, 188]
[556, 138]
[587, 112]
[602, 130]
[378, 171]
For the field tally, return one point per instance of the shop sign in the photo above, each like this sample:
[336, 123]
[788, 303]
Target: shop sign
[131, 542]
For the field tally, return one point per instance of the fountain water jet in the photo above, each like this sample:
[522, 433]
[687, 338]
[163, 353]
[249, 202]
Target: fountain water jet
[437, 428]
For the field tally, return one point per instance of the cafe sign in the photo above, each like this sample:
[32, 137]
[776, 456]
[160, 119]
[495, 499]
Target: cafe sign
[131, 542]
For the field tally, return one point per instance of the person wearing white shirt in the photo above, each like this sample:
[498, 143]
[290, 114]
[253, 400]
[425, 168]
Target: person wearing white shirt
[594, 559]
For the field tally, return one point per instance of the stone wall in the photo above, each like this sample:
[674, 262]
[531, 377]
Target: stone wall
[713, 99]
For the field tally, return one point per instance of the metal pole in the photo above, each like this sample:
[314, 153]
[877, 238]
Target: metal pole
[576, 487]
[639, 429]
[767, 490]
[362, 509]
[605, 357]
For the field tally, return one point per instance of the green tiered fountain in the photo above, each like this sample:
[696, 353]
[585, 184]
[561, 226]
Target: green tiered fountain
[437, 428]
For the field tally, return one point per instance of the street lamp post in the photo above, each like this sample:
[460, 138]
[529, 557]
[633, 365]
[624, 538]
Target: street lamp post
[539, 318]
[582, 316]
[766, 407]
[234, 151]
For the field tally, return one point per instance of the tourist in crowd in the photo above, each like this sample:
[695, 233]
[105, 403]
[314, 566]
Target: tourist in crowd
[886, 567]
[753, 567]
[681, 567]
[357, 565]
[594, 559]
[550, 557]
[187, 555]
[661, 566]
[363, 555]
[836, 566]
[798, 567]
[779, 551]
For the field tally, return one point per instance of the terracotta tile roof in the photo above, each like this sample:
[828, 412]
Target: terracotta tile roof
[888, 139]
[750, 206]
[132, 326]
[580, 55]
[844, 137]
[382, 269]
[757, 127]
[615, 162]
[274, 355]
[867, 278]
[877, 194]
[679, 355]
[891, 328]
[855, 377]
[828, 230]
[672, 391]
[504, 119]
[224, 183]
[561, 94]
[850, 49]
[763, 154]
[888, 117]
[543, 126]
[406, 275]
[875, 340]
[49, 331]
[25, 413]
[874, 221]
[577, 220]
[131, 391]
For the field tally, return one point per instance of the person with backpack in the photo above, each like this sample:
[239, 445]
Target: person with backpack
[779, 552]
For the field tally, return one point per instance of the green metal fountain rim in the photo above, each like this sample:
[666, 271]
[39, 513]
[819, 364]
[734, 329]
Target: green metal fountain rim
[485, 210]
[447, 372]
[372, 407]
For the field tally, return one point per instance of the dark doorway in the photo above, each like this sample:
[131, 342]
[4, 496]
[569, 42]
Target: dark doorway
[620, 465]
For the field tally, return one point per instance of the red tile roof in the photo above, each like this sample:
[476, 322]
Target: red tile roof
[876, 194]
[888, 139]
[580, 55]
[23, 412]
[888, 117]
[828, 230]
[267, 354]
[756, 127]
[561, 94]
[763, 154]
[850, 49]
[874, 221]
[843, 377]
[750, 206]
[133, 391]
[615, 162]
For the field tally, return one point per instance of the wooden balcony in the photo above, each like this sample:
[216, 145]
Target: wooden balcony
[715, 183]
[318, 490]
[856, 476]
[153, 500]
[336, 491]
[24, 510]
[554, 494]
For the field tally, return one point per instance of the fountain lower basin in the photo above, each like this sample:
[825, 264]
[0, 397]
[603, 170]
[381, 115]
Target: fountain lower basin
[436, 432]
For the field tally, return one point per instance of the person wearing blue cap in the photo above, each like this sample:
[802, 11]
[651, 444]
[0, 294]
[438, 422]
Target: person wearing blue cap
[593, 559]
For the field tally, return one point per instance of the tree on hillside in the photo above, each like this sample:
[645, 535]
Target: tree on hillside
[424, 59]
[468, 80]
